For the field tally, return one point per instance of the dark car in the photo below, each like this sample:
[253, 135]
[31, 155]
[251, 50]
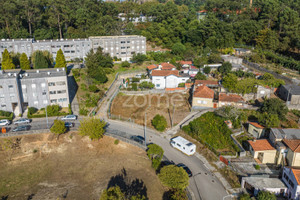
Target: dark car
[22, 128]
[138, 139]
[69, 124]
[166, 163]
[188, 171]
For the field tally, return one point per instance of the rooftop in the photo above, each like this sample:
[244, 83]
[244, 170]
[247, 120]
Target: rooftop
[262, 183]
[289, 133]
[182, 140]
[206, 82]
[230, 97]
[151, 67]
[167, 66]
[34, 73]
[182, 62]
[257, 125]
[204, 92]
[165, 72]
[294, 145]
[294, 89]
[261, 145]
[296, 173]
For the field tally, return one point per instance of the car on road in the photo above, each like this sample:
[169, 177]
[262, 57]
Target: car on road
[188, 171]
[22, 128]
[4, 122]
[22, 121]
[138, 139]
[69, 117]
[69, 124]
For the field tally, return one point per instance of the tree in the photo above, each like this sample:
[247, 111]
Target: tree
[266, 195]
[39, 60]
[178, 48]
[174, 177]
[244, 196]
[125, 64]
[113, 193]
[60, 60]
[269, 120]
[225, 68]
[58, 127]
[159, 122]
[230, 82]
[146, 85]
[275, 106]
[7, 62]
[178, 194]
[138, 58]
[200, 76]
[155, 154]
[206, 70]
[92, 127]
[24, 62]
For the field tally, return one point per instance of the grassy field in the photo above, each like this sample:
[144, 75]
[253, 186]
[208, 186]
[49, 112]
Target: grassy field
[73, 167]
[134, 107]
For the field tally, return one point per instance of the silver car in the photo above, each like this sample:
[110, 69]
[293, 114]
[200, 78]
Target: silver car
[69, 117]
[22, 121]
[4, 122]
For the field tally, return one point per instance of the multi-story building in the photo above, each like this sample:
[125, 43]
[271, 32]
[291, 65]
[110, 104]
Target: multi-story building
[33, 88]
[123, 47]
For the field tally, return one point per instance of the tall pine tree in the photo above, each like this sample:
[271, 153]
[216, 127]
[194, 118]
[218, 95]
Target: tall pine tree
[7, 62]
[60, 59]
[40, 61]
[24, 62]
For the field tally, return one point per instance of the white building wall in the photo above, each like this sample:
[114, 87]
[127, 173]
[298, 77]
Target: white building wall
[159, 82]
[293, 192]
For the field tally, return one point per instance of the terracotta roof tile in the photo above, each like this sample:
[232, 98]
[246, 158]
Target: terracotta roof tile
[230, 97]
[167, 66]
[293, 144]
[151, 67]
[256, 125]
[206, 82]
[261, 145]
[182, 62]
[165, 72]
[296, 173]
[204, 92]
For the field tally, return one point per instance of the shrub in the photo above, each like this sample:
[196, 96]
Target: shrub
[159, 122]
[155, 154]
[53, 110]
[134, 86]
[83, 111]
[58, 127]
[125, 64]
[181, 85]
[146, 85]
[83, 87]
[93, 88]
[76, 72]
[92, 127]
[70, 109]
[116, 142]
[177, 194]
[92, 100]
[174, 177]
[135, 80]
[32, 110]
[257, 167]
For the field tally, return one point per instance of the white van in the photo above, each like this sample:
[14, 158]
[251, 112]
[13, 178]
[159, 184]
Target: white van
[183, 145]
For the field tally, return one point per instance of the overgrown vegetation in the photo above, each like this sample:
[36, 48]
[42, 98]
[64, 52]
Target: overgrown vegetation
[6, 115]
[155, 154]
[92, 127]
[174, 177]
[58, 127]
[52, 110]
[159, 122]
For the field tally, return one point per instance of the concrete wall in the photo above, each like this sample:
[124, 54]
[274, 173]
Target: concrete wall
[293, 192]
[9, 94]
[256, 132]
[268, 155]
[293, 158]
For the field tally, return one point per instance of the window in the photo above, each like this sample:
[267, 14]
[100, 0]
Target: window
[44, 93]
[123, 52]
[45, 101]
[122, 42]
[178, 145]
[1, 87]
[34, 94]
[61, 91]
[52, 92]
[36, 102]
[53, 100]
[128, 47]
[58, 46]
[12, 95]
[51, 84]
[128, 41]
[10, 86]
[157, 85]
[66, 45]
[62, 99]
[3, 105]
[33, 85]
[67, 52]
[61, 83]
[122, 47]
[43, 84]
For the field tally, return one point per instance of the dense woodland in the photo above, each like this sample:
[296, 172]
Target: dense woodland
[269, 24]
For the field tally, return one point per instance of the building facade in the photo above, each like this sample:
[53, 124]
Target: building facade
[291, 177]
[163, 79]
[123, 47]
[33, 88]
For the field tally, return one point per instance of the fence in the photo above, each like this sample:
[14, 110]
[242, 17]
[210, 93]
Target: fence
[111, 100]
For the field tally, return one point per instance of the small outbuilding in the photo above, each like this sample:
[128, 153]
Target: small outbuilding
[256, 129]
[262, 151]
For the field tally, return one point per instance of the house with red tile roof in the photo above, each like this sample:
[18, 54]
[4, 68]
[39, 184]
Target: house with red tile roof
[262, 151]
[185, 64]
[163, 79]
[152, 67]
[291, 177]
[214, 85]
[293, 152]
[167, 66]
[230, 99]
[256, 129]
[203, 97]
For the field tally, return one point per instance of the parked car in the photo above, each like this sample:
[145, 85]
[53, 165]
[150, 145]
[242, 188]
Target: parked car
[22, 128]
[22, 121]
[188, 171]
[138, 139]
[69, 124]
[4, 122]
[69, 117]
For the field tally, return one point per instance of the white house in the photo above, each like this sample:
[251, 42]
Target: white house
[213, 67]
[232, 59]
[291, 177]
[167, 78]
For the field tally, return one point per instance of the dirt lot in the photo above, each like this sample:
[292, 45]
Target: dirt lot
[131, 106]
[73, 168]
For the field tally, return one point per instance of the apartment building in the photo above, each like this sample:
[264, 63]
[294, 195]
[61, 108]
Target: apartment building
[33, 88]
[123, 47]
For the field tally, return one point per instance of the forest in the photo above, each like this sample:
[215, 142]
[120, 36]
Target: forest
[267, 24]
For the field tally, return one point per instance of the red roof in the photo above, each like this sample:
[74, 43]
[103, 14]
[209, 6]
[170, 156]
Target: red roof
[293, 144]
[151, 67]
[230, 97]
[296, 173]
[261, 145]
[206, 82]
[182, 62]
[167, 66]
[204, 92]
[256, 125]
[165, 72]
[193, 67]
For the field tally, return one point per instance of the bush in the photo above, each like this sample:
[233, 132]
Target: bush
[83, 87]
[135, 80]
[116, 142]
[174, 177]
[134, 86]
[178, 194]
[58, 127]
[6, 115]
[92, 127]
[76, 72]
[32, 110]
[146, 85]
[83, 111]
[53, 110]
[159, 122]
[70, 109]
[181, 85]
[92, 100]
[93, 88]
[155, 154]
[125, 64]
[257, 167]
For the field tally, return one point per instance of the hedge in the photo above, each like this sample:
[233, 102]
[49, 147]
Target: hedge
[6, 115]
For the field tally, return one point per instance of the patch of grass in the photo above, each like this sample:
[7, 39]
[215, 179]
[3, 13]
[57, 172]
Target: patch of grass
[230, 176]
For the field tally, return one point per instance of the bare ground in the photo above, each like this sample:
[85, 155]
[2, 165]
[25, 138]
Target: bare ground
[134, 107]
[73, 167]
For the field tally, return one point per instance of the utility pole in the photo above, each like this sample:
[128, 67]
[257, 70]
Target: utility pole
[145, 129]
[173, 115]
